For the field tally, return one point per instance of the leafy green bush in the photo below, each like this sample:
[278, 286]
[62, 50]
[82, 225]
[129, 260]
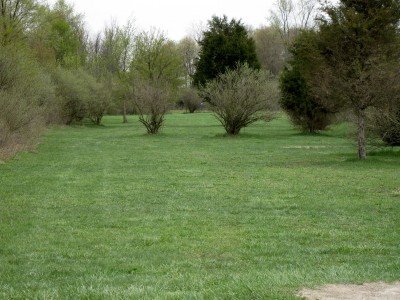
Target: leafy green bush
[97, 98]
[73, 94]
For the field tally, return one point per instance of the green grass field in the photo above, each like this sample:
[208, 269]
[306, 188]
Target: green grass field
[112, 213]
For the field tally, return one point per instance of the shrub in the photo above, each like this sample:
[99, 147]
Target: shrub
[20, 121]
[82, 96]
[26, 97]
[191, 100]
[239, 97]
[97, 98]
[152, 100]
[73, 94]
[99, 102]
[385, 124]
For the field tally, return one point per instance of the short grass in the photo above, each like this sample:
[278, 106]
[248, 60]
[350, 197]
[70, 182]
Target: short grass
[112, 213]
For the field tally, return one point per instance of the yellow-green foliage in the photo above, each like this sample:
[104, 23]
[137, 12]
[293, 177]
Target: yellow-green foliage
[27, 100]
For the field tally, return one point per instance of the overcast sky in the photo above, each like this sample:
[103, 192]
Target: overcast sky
[174, 17]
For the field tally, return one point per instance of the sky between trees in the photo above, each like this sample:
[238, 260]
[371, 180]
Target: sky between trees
[175, 17]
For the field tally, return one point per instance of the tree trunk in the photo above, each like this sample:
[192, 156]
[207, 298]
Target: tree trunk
[362, 154]
[125, 119]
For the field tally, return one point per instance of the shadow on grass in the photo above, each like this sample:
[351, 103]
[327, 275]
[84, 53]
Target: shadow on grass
[240, 136]
[110, 126]
[313, 134]
[266, 136]
[201, 127]
[388, 152]
[375, 159]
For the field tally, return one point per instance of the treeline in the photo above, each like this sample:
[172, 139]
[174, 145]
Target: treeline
[53, 72]
[44, 72]
[331, 61]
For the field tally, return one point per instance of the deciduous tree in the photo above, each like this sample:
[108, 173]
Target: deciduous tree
[66, 35]
[290, 16]
[189, 51]
[157, 72]
[239, 97]
[111, 54]
[152, 101]
[16, 16]
[270, 49]
[157, 59]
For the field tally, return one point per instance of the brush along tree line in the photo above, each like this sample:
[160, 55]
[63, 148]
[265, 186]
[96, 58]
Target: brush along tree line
[347, 62]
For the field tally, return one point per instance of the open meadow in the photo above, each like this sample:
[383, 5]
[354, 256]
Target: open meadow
[110, 212]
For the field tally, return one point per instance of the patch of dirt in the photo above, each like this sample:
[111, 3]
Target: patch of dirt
[367, 291]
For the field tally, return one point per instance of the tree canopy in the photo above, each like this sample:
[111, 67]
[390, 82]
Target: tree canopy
[353, 58]
[157, 58]
[224, 45]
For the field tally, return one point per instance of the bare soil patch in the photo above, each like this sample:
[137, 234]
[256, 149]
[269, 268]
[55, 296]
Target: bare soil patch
[367, 291]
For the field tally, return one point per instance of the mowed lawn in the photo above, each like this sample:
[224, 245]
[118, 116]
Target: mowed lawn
[112, 213]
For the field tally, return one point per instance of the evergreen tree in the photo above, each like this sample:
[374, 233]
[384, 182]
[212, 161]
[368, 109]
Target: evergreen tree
[223, 46]
[357, 58]
[297, 99]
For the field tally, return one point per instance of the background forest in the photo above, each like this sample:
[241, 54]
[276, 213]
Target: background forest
[53, 71]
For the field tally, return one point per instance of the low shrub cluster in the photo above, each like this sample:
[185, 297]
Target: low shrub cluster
[385, 125]
[33, 97]
[82, 96]
[27, 100]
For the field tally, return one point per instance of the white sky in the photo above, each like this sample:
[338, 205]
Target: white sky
[174, 17]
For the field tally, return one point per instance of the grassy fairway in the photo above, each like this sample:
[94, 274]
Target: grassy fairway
[111, 213]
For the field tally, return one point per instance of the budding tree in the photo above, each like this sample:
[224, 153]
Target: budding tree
[189, 51]
[291, 15]
[239, 97]
[157, 70]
